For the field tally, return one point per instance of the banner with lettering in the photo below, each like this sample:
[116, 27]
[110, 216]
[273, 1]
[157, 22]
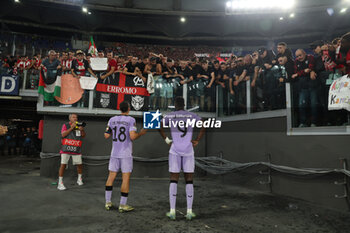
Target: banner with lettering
[339, 94]
[9, 85]
[113, 90]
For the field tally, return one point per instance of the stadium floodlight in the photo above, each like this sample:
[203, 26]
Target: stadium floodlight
[249, 5]
[84, 9]
[288, 4]
[182, 19]
[281, 18]
[292, 15]
[330, 11]
[89, 13]
[343, 10]
[17, 1]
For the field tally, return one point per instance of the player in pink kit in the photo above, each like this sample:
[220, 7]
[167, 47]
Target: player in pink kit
[181, 154]
[123, 131]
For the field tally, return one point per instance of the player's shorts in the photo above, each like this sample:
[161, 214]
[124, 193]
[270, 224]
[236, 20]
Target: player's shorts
[167, 90]
[76, 159]
[123, 164]
[178, 163]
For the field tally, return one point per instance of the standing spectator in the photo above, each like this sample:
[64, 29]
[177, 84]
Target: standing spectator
[307, 87]
[224, 82]
[284, 51]
[193, 84]
[156, 70]
[112, 66]
[240, 77]
[81, 67]
[101, 54]
[142, 65]
[19, 69]
[167, 92]
[66, 64]
[131, 67]
[34, 76]
[325, 68]
[204, 79]
[267, 61]
[52, 66]
[345, 48]
[71, 56]
[278, 92]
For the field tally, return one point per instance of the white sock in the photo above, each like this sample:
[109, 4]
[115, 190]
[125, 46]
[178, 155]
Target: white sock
[172, 211]
[60, 180]
[79, 176]
[189, 211]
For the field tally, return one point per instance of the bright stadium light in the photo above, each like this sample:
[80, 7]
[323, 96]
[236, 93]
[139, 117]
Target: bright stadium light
[182, 19]
[330, 11]
[17, 1]
[343, 10]
[249, 5]
[281, 18]
[288, 4]
[84, 9]
[89, 13]
[292, 15]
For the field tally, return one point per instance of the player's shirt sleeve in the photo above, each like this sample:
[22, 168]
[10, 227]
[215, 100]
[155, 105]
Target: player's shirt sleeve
[108, 129]
[132, 125]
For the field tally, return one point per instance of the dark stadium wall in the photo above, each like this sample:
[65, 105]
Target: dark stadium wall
[149, 146]
[250, 141]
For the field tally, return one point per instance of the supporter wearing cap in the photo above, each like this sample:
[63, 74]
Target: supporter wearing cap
[80, 66]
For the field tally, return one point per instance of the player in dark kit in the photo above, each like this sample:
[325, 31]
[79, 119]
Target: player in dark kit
[123, 131]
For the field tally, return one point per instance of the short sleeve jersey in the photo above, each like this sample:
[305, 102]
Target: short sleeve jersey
[120, 127]
[181, 135]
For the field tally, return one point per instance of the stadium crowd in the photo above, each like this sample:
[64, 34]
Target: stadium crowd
[267, 72]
